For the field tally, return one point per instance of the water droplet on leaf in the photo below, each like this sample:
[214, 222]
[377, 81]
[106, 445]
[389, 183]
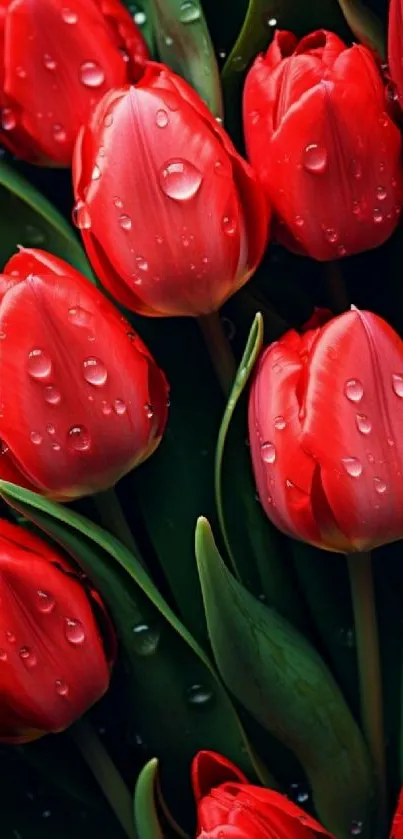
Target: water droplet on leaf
[145, 639]
[189, 12]
[199, 696]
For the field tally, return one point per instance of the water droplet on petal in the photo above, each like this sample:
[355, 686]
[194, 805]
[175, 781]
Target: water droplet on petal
[331, 235]
[78, 439]
[80, 316]
[315, 159]
[149, 410]
[8, 119]
[299, 221]
[125, 222]
[364, 424]
[81, 215]
[91, 74]
[39, 364]
[96, 173]
[381, 193]
[145, 639]
[377, 215]
[119, 407]
[180, 179]
[3, 655]
[69, 16]
[353, 466]
[10, 637]
[36, 438]
[397, 384]
[21, 73]
[28, 656]
[189, 12]
[380, 486]
[161, 118]
[199, 696]
[52, 395]
[95, 371]
[141, 263]
[59, 133]
[74, 631]
[229, 225]
[61, 687]
[49, 62]
[354, 390]
[268, 452]
[279, 423]
[106, 409]
[46, 602]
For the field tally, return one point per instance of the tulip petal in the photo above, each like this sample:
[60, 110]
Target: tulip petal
[353, 422]
[395, 45]
[210, 769]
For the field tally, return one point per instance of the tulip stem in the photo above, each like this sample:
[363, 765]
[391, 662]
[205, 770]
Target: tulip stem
[336, 288]
[113, 519]
[369, 668]
[219, 350]
[107, 776]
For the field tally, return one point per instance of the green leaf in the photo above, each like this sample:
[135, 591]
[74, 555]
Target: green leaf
[252, 542]
[145, 810]
[169, 675]
[366, 25]
[29, 219]
[184, 44]
[286, 686]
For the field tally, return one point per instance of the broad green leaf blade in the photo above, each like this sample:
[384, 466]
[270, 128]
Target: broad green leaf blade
[366, 25]
[184, 44]
[178, 702]
[284, 683]
[29, 219]
[252, 543]
[145, 810]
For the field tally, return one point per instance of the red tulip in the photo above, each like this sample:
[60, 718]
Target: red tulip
[326, 151]
[173, 219]
[326, 433]
[230, 808]
[57, 645]
[397, 826]
[81, 399]
[395, 46]
[57, 60]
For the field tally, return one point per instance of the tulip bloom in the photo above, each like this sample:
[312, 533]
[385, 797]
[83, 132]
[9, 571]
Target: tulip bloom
[230, 808]
[395, 46]
[326, 433]
[57, 645]
[326, 151]
[81, 399]
[173, 219]
[397, 825]
[57, 60]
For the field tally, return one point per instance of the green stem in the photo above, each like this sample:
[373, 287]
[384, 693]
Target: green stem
[336, 288]
[113, 519]
[105, 773]
[369, 667]
[219, 350]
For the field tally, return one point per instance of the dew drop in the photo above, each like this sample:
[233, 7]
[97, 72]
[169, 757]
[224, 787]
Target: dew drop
[56, 447]
[61, 687]
[145, 639]
[356, 828]
[118, 202]
[141, 263]
[331, 235]
[161, 118]
[229, 225]
[377, 216]
[78, 439]
[119, 407]
[80, 316]
[10, 637]
[52, 395]
[364, 424]
[45, 601]
[140, 18]
[315, 159]
[354, 390]
[69, 16]
[125, 222]
[189, 12]
[268, 452]
[279, 423]
[3, 655]
[8, 119]
[39, 364]
[149, 410]
[91, 74]
[96, 173]
[180, 179]
[380, 486]
[381, 193]
[353, 466]
[81, 216]
[28, 656]
[168, 41]
[357, 208]
[299, 221]
[199, 696]
[299, 793]
[95, 371]
[106, 409]
[397, 384]
[74, 631]
[36, 438]
[49, 62]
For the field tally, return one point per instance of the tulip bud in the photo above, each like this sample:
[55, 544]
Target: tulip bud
[57, 645]
[58, 60]
[174, 221]
[326, 150]
[81, 399]
[230, 808]
[326, 433]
